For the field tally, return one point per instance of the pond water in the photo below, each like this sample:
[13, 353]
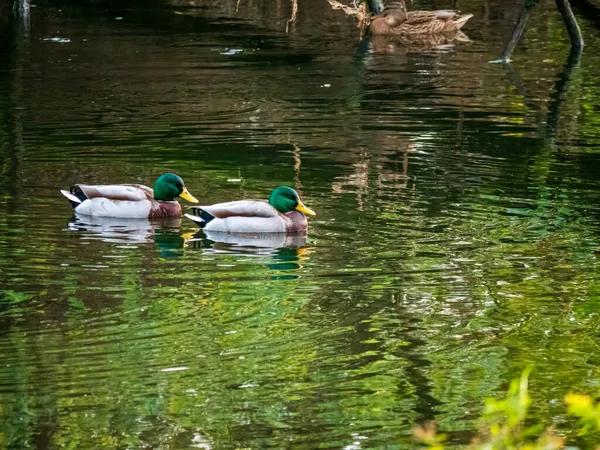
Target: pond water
[456, 242]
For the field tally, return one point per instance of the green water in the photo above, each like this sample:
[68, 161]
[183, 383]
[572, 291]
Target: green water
[457, 236]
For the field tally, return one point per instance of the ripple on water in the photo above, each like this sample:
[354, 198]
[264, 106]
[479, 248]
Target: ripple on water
[456, 235]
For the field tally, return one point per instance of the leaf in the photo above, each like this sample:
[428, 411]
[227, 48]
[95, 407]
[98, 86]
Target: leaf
[77, 303]
[13, 297]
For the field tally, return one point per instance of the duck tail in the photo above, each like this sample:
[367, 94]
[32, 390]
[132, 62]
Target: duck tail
[199, 216]
[75, 196]
[462, 20]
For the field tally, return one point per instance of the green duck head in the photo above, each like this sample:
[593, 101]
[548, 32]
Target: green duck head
[168, 186]
[285, 199]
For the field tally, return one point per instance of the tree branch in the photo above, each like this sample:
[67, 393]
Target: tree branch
[571, 23]
[518, 31]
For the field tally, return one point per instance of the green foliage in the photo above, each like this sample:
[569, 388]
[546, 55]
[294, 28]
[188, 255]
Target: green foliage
[504, 418]
[584, 407]
[13, 297]
[503, 422]
[428, 435]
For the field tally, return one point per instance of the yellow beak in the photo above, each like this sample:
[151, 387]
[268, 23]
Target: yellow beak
[302, 208]
[186, 236]
[185, 194]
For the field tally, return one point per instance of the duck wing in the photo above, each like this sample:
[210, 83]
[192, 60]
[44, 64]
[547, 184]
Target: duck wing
[239, 208]
[125, 192]
[420, 17]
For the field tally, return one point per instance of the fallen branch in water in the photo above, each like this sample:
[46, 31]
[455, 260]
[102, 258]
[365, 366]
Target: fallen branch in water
[568, 18]
[294, 14]
[347, 9]
[518, 32]
[360, 12]
[571, 24]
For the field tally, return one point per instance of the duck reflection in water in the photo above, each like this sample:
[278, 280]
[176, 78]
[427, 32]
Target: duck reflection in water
[416, 43]
[162, 232]
[286, 251]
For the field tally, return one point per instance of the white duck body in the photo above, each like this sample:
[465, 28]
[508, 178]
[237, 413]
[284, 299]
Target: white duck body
[250, 216]
[132, 201]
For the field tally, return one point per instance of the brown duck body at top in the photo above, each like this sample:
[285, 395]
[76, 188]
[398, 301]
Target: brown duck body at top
[396, 20]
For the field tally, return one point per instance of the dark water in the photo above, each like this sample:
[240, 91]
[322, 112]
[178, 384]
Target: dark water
[457, 238]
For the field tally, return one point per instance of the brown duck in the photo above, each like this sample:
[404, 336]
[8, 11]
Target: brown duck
[396, 20]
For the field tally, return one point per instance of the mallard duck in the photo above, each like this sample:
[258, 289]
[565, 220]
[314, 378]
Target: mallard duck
[133, 201]
[282, 213]
[396, 20]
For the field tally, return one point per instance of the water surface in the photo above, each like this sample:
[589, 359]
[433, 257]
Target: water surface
[456, 241]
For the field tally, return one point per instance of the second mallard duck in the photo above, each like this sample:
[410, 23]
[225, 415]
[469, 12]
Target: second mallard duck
[282, 213]
[396, 20]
